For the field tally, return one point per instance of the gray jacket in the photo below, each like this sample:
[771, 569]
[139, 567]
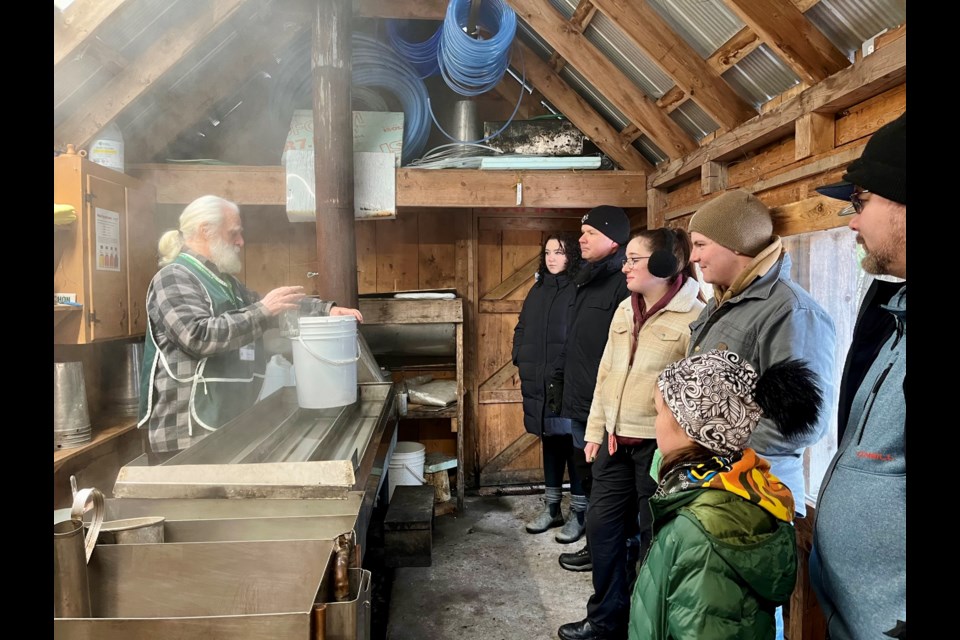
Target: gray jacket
[858, 566]
[772, 320]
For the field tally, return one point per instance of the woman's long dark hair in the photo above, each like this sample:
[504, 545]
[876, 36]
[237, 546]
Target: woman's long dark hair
[660, 240]
[571, 247]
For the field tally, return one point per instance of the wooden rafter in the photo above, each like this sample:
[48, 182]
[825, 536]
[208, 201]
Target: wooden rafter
[605, 76]
[402, 9]
[77, 24]
[509, 89]
[802, 46]
[178, 111]
[653, 36]
[580, 113]
[136, 79]
[882, 70]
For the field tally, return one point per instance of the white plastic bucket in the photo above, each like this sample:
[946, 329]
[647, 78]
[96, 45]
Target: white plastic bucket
[325, 358]
[406, 465]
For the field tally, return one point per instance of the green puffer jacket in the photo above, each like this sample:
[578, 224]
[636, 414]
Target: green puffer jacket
[718, 567]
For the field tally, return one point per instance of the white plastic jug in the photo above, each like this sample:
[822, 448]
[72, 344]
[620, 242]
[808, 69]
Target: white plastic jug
[325, 356]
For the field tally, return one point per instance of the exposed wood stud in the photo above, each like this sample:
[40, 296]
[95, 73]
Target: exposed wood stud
[672, 99]
[656, 203]
[77, 24]
[815, 134]
[629, 135]
[556, 62]
[713, 177]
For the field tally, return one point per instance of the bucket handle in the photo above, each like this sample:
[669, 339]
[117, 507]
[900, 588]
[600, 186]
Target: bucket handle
[83, 501]
[328, 360]
[414, 473]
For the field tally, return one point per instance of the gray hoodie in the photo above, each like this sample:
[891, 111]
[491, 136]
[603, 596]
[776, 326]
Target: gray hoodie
[858, 562]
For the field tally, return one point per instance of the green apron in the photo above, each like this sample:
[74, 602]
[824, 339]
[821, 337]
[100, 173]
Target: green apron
[222, 386]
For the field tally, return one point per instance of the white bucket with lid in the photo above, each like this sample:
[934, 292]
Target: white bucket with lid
[325, 358]
[406, 465]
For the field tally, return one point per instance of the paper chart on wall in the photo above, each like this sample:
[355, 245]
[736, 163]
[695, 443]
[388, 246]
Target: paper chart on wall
[107, 240]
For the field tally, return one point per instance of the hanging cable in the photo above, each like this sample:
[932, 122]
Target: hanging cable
[421, 55]
[376, 65]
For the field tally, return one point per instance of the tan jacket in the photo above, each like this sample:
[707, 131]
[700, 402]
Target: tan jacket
[623, 398]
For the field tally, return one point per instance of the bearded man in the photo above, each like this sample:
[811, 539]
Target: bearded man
[858, 565]
[204, 357]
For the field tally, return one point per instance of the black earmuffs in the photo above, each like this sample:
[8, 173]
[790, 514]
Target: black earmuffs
[663, 263]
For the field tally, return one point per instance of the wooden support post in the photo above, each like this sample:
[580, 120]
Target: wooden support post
[656, 205]
[713, 177]
[814, 133]
[332, 116]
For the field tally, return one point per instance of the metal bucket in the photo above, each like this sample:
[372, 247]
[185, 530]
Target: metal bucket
[148, 530]
[71, 420]
[121, 376]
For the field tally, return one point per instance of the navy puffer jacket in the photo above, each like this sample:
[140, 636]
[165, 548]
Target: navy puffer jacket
[537, 341]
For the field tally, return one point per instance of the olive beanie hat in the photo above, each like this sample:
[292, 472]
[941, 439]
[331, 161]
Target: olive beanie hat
[737, 220]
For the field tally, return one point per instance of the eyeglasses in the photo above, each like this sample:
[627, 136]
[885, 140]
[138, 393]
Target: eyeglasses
[632, 262]
[856, 204]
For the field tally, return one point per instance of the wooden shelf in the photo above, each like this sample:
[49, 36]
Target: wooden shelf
[424, 412]
[106, 429]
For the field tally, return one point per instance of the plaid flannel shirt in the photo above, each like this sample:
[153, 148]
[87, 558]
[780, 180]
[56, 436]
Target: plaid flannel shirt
[185, 330]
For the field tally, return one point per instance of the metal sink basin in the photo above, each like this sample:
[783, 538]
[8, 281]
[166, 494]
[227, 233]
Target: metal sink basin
[203, 590]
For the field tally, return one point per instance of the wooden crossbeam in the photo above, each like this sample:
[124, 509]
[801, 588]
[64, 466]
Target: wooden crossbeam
[878, 72]
[514, 281]
[513, 451]
[794, 38]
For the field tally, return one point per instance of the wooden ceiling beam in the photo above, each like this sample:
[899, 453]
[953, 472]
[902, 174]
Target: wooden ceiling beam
[140, 74]
[176, 112]
[580, 113]
[652, 35]
[77, 24]
[802, 46]
[605, 76]
[583, 14]
[882, 70]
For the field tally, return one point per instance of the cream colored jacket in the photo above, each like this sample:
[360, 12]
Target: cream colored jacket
[623, 398]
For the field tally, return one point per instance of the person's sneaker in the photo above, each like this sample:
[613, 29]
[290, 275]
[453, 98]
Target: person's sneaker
[545, 521]
[577, 561]
[572, 531]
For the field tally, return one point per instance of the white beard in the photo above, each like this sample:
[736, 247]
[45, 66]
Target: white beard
[225, 256]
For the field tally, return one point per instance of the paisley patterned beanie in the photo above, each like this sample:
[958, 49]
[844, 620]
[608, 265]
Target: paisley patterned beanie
[712, 397]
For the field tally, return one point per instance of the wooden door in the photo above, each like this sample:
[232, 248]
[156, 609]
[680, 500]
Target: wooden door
[508, 255]
[106, 214]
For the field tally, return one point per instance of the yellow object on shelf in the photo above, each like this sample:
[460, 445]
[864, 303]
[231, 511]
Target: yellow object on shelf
[64, 214]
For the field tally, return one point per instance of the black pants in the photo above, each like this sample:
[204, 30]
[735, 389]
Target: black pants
[619, 509]
[584, 469]
[557, 457]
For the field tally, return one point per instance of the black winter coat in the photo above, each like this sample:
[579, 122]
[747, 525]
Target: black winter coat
[537, 341]
[601, 286]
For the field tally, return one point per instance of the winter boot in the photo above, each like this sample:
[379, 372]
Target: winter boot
[550, 517]
[574, 529]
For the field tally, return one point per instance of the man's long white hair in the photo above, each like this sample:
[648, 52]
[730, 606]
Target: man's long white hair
[205, 210]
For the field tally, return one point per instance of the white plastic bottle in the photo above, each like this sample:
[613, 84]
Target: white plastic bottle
[107, 148]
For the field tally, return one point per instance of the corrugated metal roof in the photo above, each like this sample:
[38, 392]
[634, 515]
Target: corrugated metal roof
[625, 55]
[848, 23]
[693, 120]
[760, 76]
[704, 24]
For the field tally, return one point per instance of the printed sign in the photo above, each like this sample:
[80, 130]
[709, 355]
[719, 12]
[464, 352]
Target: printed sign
[107, 256]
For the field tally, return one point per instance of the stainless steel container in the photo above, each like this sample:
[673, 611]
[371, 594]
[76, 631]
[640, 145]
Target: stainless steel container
[121, 378]
[71, 419]
[145, 530]
[71, 590]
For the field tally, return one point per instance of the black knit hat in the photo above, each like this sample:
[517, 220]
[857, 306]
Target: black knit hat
[880, 169]
[610, 221]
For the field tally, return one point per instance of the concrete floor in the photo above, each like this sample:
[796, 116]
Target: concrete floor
[490, 579]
